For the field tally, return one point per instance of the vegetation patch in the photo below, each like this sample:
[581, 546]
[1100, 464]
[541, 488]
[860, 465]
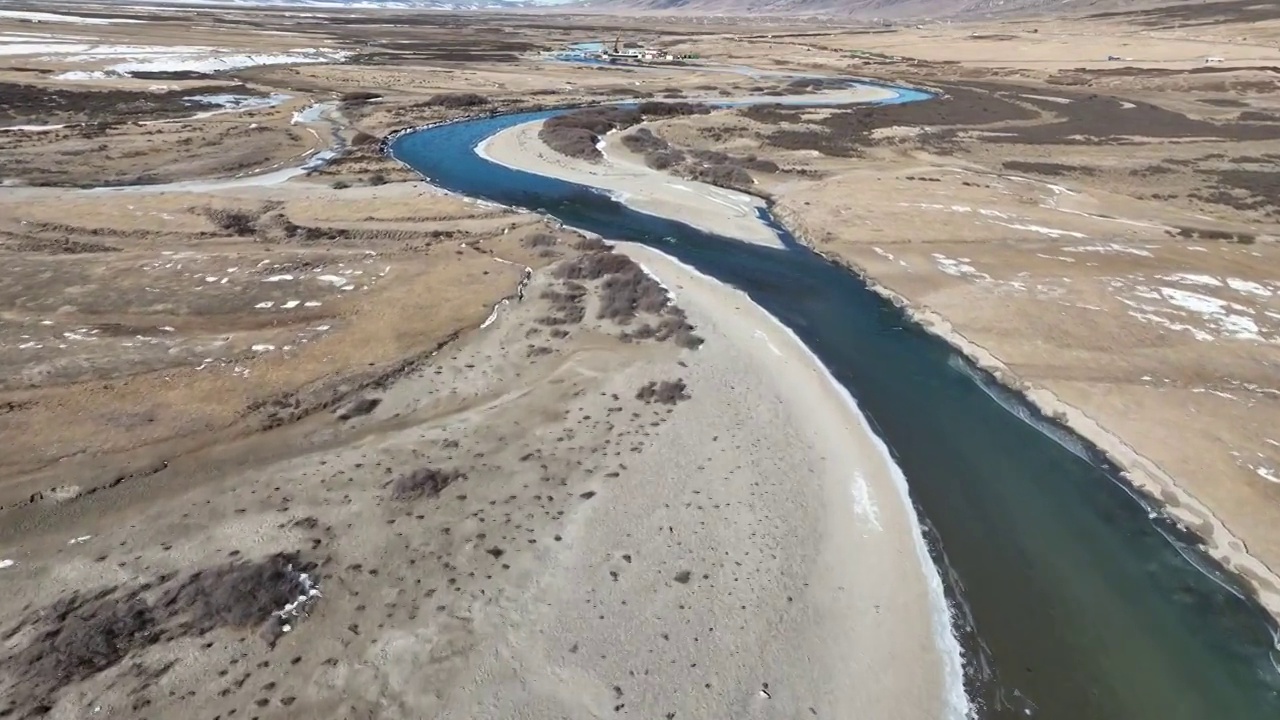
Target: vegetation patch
[667, 392]
[82, 635]
[458, 100]
[426, 482]
[577, 134]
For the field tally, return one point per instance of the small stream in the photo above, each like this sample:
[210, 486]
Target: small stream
[1072, 603]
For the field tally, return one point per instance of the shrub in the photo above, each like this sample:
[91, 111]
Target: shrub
[664, 159]
[377, 179]
[423, 482]
[236, 222]
[591, 244]
[667, 392]
[458, 100]
[360, 96]
[573, 142]
[538, 240]
[732, 176]
[340, 185]
[629, 292]
[595, 265]
[656, 109]
[644, 141]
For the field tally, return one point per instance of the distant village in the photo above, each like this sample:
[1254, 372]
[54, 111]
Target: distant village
[616, 52]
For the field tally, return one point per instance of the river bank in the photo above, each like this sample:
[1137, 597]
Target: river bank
[707, 207]
[840, 629]
[1158, 487]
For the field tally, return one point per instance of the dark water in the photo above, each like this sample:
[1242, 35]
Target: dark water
[1079, 606]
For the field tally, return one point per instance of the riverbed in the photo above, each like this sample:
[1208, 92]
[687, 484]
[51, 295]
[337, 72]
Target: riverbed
[1072, 602]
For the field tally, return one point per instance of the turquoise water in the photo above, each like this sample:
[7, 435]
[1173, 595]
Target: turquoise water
[1072, 603]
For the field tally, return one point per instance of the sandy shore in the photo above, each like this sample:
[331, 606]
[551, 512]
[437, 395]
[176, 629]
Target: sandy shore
[707, 207]
[848, 518]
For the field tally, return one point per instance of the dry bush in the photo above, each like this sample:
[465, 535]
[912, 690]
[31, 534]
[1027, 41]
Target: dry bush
[664, 159]
[458, 100]
[759, 164]
[667, 392]
[820, 141]
[595, 265]
[364, 139]
[82, 635]
[360, 96]
[242, 595]
[731, 176]
[237, 222]
[630, 292]
[673, 326]
[576, 133]
[644, 141]
[571, 142]
[538, 240]
[568, 303]
[591, 244]
[653, 109]
[427, 481]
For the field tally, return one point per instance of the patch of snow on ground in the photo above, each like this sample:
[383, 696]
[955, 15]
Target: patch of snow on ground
[1110, 249]
[1051, 232]
[204, 62]
[57, 18]
[1050, 98]
[959, 268]
[1248, 287]
[1267, 473]
[863, 504]
[7, 564]
[1221, 318]
[1192, 279]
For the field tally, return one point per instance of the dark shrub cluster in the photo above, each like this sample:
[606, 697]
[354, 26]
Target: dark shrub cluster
[236, 222]
[626, 292]
[539, 240]
[424, 482]
[576, 133]
[360, 96]
[566, 303]
[84, 634]
[731, 176]
[364, 139]
[591, 244]
[673, 326]
[644, 141]
[458, 100]
[629, 292]
[667, 392]
[664, 159]
[654, 109]
[595, 265]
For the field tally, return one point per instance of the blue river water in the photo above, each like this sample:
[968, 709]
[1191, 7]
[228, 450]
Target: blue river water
[1071, 601]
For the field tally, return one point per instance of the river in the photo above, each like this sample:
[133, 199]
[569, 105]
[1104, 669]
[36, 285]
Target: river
[1071, 601]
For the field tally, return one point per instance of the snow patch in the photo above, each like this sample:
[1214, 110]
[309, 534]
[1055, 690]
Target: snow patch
[863, 504]
[39, 17]
[1110, 249]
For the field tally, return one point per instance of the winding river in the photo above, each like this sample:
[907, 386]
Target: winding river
[1071, 601]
